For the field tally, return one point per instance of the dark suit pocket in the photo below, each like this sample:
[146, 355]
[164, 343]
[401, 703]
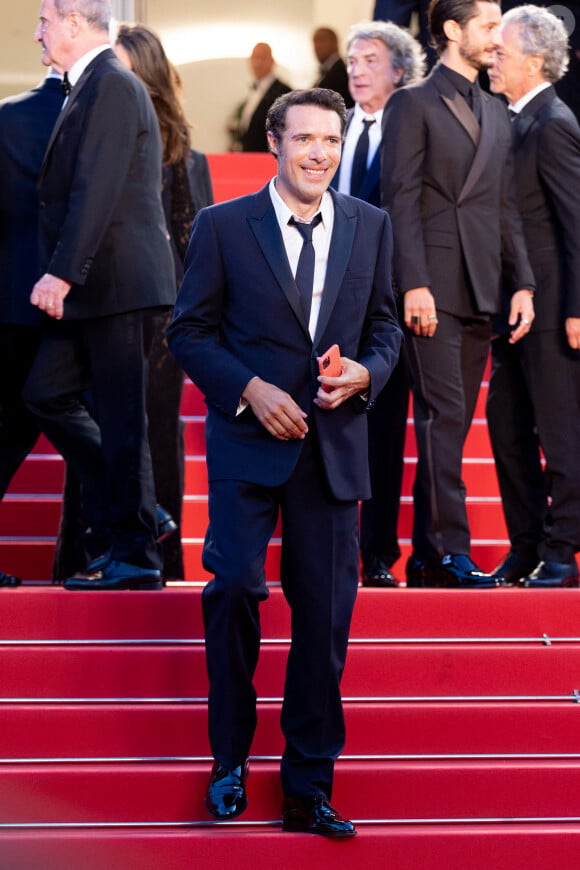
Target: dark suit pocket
[439, 238]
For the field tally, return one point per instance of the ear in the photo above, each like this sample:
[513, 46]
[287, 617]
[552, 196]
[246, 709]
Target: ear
[535, 64]
[273, 143]
[398, 75]
[75, 23]
[452, 30]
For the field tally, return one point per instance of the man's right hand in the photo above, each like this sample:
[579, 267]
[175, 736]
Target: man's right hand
[276, 410]
[420, 312]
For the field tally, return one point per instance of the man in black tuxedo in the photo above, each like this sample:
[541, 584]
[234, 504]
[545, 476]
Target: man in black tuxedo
[381, 57]
[332, 71]
[534, 391]
[257, 307]
[26, 122]
[447, 181]
[248, 128]
[105, 260]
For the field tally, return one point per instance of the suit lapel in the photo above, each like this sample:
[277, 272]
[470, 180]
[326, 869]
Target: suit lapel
[484, 149]
[338, 258]
[458, 107]
[264, 226]
[72, 99]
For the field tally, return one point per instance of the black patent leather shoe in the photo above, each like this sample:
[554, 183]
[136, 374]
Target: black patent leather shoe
[552, 574]
[377, 575]
[226, 793]
[9, 580]
[116, 576]
[166, 525]
[457, 571]
[414, 572]
[314, 815]
[514, 568]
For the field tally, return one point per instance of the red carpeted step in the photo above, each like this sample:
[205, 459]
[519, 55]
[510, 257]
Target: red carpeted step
[396, 847]
[82, 730]
[410, 790]
[538, 616]
[372, 670]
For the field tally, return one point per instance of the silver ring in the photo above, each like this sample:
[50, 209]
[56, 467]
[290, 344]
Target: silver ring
[50, 304]
[432, 317]
[525, 320]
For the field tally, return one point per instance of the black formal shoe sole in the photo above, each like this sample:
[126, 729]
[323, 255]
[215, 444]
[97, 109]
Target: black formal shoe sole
[298, 827]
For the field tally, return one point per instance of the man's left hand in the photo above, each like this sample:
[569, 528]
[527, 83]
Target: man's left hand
[49, 293]
[521, 314]
[573, 332]
[355, 378]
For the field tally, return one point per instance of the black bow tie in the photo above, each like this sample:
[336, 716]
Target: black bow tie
[66, 85]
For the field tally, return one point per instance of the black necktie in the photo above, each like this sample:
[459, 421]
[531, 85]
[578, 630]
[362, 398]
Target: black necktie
[475, 100]
[359, 161]
[66, 85]
[305, 271]
[513, 115]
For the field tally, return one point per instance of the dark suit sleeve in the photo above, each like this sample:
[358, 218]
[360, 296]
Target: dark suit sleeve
[559, 168]
[194, 334]
[402, 158]
[100, 174]
[516, 270]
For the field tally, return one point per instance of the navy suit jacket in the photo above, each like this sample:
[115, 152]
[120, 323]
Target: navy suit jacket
[238, 316]
[371, 186]
[26, 122]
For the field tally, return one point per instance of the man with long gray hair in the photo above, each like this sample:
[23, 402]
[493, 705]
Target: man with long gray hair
[534, 394]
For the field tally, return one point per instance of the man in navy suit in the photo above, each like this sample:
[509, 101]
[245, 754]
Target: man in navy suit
[279, 442]
[26, 122]
[534, 391]
[106, 263]
[381, 57]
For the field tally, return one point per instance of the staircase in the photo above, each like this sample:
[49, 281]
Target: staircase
[462, 707]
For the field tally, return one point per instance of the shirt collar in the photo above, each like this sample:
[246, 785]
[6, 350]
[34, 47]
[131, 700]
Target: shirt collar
[79, 66]
[283, 213]
[459, 82]
[527, 98]
[360, 114]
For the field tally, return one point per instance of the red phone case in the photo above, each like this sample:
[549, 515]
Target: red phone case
[329, 365]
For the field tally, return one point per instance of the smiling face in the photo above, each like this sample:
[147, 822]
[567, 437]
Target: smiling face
[308, 155]
[371, 77]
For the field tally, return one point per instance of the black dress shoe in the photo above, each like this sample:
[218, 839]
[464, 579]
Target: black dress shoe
[9, 580]
[116, 575]
[226, 793]
[166, 525]
[552, 574]
[314, 815]
[457, 571]
[376, 574]
[514, 568]
[415, 571]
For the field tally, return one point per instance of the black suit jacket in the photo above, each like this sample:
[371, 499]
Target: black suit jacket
[238, 315]
[26, 122]
[336, 79]
[547, 167]
[448, 186]
[254, 138]
[101, 220]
